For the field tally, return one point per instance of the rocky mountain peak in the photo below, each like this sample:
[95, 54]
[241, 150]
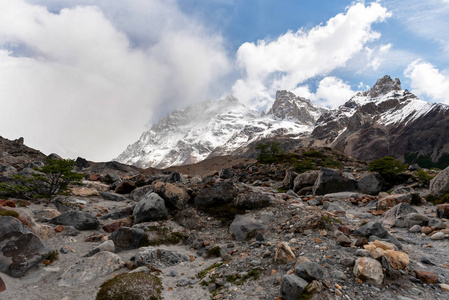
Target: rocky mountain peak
[289, 106]
[385, 85]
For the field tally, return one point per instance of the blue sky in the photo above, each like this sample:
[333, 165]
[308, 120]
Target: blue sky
[87, 77]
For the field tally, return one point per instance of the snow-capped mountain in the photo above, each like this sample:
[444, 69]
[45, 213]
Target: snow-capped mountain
[372, 124]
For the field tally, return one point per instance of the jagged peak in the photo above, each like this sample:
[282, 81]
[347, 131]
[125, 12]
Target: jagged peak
[384, 85]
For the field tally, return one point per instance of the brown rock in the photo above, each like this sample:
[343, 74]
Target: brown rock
[8, 203]
[59, 228]
[397, 260]
[84, 191]
[426, 277]
[110, 228]
[2, 285]
[389, 201]
[95, 238]
[94, 177]
[361, 242]
[426, 230]
[369, 270]
[443, 210]
[125, 187]
[345, 229]
[344, 241]
[284, 254]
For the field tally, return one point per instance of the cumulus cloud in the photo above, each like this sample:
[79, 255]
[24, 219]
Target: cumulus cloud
[83, 80]
[426, 80]
[291, 59]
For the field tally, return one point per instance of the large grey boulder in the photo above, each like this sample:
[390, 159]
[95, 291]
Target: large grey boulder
[151, 208]
[244, 225]
[78, 219]
[371, 183]
[371, 228]
[330, 181]
[20, 249]
[140, 192]
[439, 185]
[252, 200]
[112, 196]
[126, 238]
[305, 179]
[175, 197]
[219, 194]
[159, 257]
[310, 271]
[90, 268]
[292, 287]
[395, 215]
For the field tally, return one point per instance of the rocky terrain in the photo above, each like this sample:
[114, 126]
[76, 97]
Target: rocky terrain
[385, 120]
[229, 228]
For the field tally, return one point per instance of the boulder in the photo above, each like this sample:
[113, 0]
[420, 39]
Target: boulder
[159, 257]
[443, 210]
[112, 196]
[292, 287]
[371, 228]
[151, 208]
[20, 248]
[175, 197]
[126, 238]
[371, 183]
[397, 260]
[397, 213]
[310, 271]
[90, 268]
[388, 202]
[415, 219]
[219, 194]
[439, 185]
[78, 219]
[125, 187]
[426, 277]
[226, 173]
[244, 226]
[305, 179]
[46, 214]
[111, 227]
[105, 246]
[140, 192]
[251, 200]
[369, 270]
[330, 181]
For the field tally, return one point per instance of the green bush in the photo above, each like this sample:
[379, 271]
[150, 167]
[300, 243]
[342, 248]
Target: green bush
[303, 166]
[51, 179]
[269, 152]
[388, 167]
[423, 177]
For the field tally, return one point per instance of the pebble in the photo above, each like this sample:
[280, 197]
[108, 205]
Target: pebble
[415, 228]
[438, 236]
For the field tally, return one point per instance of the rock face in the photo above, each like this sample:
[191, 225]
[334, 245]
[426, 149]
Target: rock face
[87, 269]
[79, 220]
[439, 185]
[330, 181]
[152, 208]
[20, 249]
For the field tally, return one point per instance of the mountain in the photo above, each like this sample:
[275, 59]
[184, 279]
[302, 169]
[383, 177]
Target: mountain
[385, 120]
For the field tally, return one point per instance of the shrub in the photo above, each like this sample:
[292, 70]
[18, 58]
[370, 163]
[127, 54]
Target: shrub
[303, 166]
[388, 167]
[51, 179]
[268, 152]
[136, 286]
[423, 177]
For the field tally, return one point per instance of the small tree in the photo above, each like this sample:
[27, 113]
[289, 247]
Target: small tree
[388, 167]
[51, 179]
[268, 152]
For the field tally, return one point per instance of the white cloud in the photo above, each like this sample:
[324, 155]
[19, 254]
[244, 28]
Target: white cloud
[426, 80]
[333, 92]
[84, 81]
[294, 57]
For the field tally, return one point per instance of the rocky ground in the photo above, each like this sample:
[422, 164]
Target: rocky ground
[249, 231]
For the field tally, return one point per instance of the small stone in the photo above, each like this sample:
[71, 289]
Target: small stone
[284, 254]
[360, 242]
[292, 286]
[438, 236]
[427, 230]
[415, 228]
[426, 277]
[310, 271]
[444, 287]
[344, 241]
[173, 273]
[59, 228]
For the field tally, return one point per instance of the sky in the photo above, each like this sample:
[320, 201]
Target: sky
[86, 78]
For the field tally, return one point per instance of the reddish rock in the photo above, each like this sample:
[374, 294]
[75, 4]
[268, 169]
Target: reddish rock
[2, 285]
[8, 203]
[426, 277]
[95, 238]
[94, 177]
[345, 229]
[110, 228]
[427, 230]
[443, 210]
[361, 242]
[389, 201]
[59, 228]
[125, 187]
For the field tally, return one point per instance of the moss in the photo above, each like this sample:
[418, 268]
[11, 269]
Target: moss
[54, 255]
[162, 236]
[9, 213]
[136, 286]
[213, 252]
[254, 273]
[328, 221]
[305, 295]
[314, 153]
[438, 200]
[203, 273]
